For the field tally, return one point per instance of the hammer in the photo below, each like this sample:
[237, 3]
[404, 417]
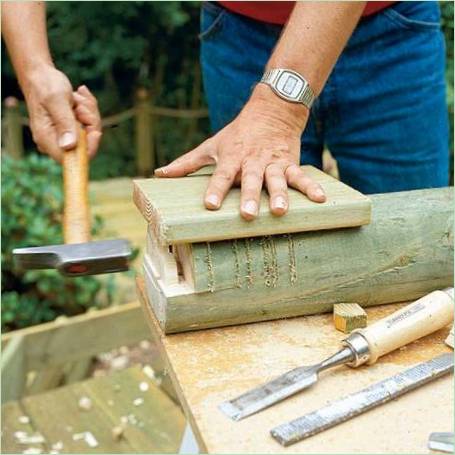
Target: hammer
[79, 256]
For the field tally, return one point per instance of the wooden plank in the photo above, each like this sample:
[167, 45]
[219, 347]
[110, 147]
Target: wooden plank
[46, 379]
[153, 426]
[174, 209]
[14, 368]
[79, 337]
[12, 421]
[160, 421]
[405, 253]
[349, 316]
[210, 366]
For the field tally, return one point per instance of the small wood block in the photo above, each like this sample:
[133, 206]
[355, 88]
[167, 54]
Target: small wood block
[175, 210]
[349, 316]
[449, 339]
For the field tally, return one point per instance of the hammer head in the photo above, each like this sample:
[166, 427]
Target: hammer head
[77, 259]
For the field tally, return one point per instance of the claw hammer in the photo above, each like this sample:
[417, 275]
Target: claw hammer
[78, 256]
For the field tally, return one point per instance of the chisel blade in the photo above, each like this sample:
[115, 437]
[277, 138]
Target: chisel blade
[443, 442]
[274, 391]
[359, 402]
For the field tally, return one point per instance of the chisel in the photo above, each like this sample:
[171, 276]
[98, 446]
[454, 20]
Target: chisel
[352, 405]
[424, 316]
[442, 442]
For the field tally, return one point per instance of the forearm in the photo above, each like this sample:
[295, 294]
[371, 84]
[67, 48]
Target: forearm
[25, 35]
[310, 44]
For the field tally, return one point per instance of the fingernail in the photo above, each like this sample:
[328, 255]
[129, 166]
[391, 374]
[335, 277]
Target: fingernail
[279, 203]
[67, 139]
[213, 201]
[319, 193]
[250, 207]
[160, 170]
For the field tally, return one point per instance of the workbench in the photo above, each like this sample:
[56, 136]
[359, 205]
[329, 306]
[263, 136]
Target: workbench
[210, 366]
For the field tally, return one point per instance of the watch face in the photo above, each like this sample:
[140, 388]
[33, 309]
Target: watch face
[290, 85]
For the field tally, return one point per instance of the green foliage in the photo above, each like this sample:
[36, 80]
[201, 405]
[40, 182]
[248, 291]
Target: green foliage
[32, 203]
[116, 47]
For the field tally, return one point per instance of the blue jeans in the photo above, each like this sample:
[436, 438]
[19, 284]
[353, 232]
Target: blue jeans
[382, 113]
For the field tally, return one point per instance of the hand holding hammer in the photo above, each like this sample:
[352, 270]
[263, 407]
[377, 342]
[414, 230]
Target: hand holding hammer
[79, 256]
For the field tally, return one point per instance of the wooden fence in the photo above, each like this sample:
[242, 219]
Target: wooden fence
[143, 113]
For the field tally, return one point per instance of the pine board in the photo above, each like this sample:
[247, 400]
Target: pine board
[210, 366]
[174, 208]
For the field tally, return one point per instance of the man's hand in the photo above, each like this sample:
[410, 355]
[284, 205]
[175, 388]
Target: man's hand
[52, 105]
[261, 146]
[263, 143]
[54, 108]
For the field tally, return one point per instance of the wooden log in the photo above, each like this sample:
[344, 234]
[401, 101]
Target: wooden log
[349, 316]
[406, 252]
[174, 209]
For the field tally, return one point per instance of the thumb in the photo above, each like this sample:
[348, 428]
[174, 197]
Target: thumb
[61, 112]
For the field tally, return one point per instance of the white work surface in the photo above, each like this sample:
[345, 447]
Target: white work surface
[211, 366]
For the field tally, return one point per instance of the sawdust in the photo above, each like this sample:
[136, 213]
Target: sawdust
[270, 261]
[209, 261]
[249, 268]
[237, 274]
[292, 261]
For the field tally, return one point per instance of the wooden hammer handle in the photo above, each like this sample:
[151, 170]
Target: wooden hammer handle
[76, 213]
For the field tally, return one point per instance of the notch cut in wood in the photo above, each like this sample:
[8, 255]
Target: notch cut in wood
[349, 316]
[405, 253]
[449, 340]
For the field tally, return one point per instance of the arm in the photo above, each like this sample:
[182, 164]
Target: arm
[52, 105]
[262, 145]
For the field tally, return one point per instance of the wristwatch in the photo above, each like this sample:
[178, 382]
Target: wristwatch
[289, 85]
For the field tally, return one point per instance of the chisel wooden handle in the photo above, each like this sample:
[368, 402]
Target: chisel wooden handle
[424, 316]
[76, 214]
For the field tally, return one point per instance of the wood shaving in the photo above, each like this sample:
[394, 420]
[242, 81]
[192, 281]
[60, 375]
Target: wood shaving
[85, 403]
[117, 432]
[24, 419]
[32, 450]
[148, 371]
[58, 445]
[88, 437]
[143, 386]
[24, 438]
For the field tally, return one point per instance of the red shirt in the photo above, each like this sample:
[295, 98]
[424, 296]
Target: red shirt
[278, 12]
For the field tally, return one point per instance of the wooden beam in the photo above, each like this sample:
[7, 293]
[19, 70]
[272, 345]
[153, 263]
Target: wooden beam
[349, 316]
[174, 209]
[13, 366]
[56, 343]
[406, 252]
